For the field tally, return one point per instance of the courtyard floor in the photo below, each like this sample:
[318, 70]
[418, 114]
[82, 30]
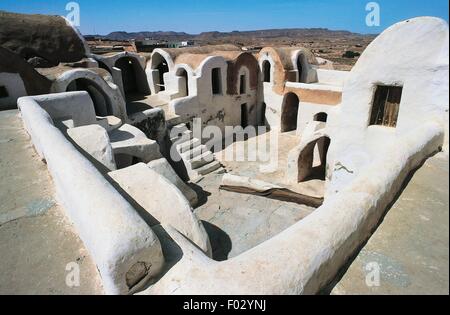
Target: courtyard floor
[411, 246]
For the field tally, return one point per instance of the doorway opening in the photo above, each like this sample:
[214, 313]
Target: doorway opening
[184, 85]
[244, 115]
[289, 112]
[126, 65]
[159, 63]
[216, 81]
[3, 92]
[312, 162]
[243, 84]
[101, 101]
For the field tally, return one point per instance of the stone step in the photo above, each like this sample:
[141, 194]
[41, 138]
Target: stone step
[172, 119]
[201, 160]
[191, 154]
[185, 136]
[188, 145]
[208, 168]
[179, 128]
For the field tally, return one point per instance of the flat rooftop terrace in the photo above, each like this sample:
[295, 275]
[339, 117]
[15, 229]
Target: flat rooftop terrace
[36, 239]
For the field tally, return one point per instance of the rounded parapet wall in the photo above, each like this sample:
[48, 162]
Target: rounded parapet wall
[126, 251]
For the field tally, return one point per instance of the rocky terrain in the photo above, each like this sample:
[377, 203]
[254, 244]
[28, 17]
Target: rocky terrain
[341, 47]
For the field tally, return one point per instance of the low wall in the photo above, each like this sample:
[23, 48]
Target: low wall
[125, 249]
[77, 106]
[163, 201]
[332, 77]
[306, 257]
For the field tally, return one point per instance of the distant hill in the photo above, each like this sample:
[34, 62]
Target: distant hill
[119, 36]
[208, 36]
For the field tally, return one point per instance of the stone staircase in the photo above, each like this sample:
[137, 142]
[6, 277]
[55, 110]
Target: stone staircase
[196, 157]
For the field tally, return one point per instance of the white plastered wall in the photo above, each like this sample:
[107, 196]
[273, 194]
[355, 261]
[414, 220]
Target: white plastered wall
[332, 77]
[331, 234]
[418, 61]
[117, 238]
[214, 109]
[153, 73]
[272, 100]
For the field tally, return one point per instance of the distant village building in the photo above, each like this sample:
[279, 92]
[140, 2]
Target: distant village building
[148, 45]
[181, 44]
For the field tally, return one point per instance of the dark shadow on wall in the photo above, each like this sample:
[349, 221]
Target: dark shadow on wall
[134, 79]
[202, 195]
[102, 103]
[289, 112]
[220, 241]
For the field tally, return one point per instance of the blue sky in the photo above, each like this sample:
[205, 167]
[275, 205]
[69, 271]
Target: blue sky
[195, 16]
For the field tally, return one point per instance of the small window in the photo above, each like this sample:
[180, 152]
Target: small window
[386, 105]
[243, 86]
[322, 117]
[216, 81]
[3, 92]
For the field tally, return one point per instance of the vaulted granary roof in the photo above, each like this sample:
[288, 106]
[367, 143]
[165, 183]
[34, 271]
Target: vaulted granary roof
[284, 55]
[53, 38]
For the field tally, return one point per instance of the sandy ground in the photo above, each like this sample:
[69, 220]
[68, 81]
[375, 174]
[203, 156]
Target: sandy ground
[36, 240]
[411, 246]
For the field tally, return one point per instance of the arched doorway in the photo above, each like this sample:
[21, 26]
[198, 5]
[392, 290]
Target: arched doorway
[134, 79]
[289, 112]
[322, 117]
[159, 63]
[267, 68]
[312, 162]
[184, 85]
[127, 67]
[101, 101]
